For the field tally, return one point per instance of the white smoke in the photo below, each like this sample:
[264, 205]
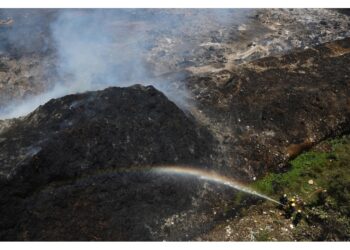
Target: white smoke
[99, 48]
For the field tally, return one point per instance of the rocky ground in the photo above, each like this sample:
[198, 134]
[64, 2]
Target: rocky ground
[262, 87]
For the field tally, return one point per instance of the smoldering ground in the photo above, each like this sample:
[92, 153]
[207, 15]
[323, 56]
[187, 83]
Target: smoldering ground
[97, 48]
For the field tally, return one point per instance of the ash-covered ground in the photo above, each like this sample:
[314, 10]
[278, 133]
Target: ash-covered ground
[69, 51]
[240, 92]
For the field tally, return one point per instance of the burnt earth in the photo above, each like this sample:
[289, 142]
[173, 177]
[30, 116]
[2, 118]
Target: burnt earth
[270, 110]
[68, 168]
[76, 169]
[168, 41]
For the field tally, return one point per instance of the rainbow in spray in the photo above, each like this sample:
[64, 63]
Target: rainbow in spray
[210, 176]
[189, 171]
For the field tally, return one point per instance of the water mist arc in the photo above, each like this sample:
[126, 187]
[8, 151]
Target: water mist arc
[213, 177]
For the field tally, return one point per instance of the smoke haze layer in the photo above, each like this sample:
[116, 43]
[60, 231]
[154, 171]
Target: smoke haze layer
[95, 49]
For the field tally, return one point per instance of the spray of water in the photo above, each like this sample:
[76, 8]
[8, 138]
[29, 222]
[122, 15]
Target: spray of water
[194, 172]
[186, 171]
[211, 176]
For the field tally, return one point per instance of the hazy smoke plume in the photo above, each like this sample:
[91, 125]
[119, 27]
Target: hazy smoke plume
[95, 49]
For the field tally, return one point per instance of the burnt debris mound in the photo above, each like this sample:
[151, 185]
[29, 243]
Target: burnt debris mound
[260, 86]
[268, 111]
[61, 165]
[77, 167]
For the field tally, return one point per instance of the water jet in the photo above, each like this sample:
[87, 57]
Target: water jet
[212, 177]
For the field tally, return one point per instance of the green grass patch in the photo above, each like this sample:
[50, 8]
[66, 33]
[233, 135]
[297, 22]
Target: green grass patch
[327, 170]
[327, 196]
[303, 168]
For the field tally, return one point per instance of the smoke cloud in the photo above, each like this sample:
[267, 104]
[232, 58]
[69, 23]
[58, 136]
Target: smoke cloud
[95, 49]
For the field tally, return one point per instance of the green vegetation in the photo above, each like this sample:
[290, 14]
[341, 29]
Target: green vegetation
[308, 166]
[311, 172]
[321, 177]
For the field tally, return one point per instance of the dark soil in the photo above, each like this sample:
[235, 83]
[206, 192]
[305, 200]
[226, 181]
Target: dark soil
[78, 167]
